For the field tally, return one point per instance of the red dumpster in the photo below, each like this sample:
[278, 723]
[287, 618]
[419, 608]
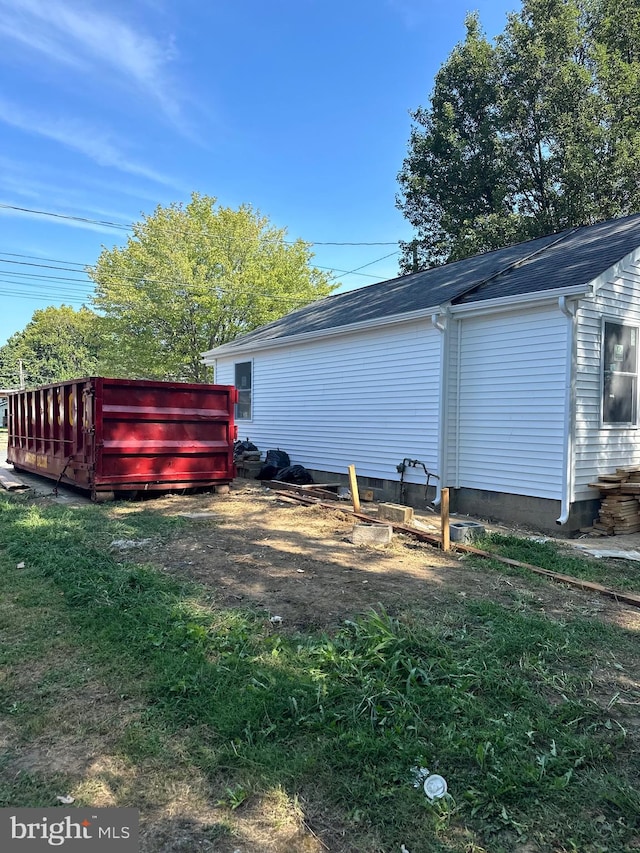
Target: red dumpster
[111, 435]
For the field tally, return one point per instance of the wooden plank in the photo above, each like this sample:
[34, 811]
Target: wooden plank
[9, 482]
[589, 586]
[327, 487]
[353, 485]
[311, 491]
[444, 519]
[604, 487]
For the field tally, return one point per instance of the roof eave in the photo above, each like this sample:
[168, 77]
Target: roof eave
[305, 337]
[506, 303]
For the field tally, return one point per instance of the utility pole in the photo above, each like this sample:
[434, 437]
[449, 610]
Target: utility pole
[21, 367]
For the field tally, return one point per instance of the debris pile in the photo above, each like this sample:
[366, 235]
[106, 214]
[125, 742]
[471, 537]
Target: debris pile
[276, 465]
[247, 458]
[619, 510]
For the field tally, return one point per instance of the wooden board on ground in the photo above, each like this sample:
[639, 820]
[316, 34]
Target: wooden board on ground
[9, 482]
[321, 490]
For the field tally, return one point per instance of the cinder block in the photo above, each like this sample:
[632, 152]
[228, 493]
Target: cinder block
[465, 531]
[223, 489]
[372, 534]
[396, 513]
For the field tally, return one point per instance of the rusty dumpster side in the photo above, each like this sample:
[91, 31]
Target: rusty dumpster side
[110, 435]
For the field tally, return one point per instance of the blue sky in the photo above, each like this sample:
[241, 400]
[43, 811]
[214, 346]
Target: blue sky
[298, 107]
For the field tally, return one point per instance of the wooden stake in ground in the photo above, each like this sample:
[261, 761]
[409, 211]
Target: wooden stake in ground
[353, 485]
[444, 519]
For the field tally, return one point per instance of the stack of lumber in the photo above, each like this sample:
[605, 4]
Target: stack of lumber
[620, 508]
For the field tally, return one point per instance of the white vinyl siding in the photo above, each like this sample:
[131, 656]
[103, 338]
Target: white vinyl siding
[507, 403]
[599, 448]
[369, 399]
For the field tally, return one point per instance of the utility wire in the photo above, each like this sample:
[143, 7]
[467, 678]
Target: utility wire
[79, 263]
[124, 227]
[161, 281]
[383, 258]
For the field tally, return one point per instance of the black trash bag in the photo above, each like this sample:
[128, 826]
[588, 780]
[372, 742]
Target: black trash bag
[274, 461]
[246, 446]
[295, 474]
[278, 458]
[267, 472]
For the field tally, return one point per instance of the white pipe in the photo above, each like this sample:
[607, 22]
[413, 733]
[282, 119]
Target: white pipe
[440, 325]
[439, 322]
[569, 309]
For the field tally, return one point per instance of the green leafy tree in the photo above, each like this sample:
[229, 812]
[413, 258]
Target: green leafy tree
[455, 176]
[556, 131]
[56, 344]
[193, 277]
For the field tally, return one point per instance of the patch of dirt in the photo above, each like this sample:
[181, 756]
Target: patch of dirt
[258, 549]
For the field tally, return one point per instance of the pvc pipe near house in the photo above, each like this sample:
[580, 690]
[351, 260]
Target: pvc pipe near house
[569, 309]
[439, 322]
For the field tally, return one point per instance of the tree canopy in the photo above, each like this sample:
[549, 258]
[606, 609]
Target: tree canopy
[536, 132]
[56, 344]
[191, 278]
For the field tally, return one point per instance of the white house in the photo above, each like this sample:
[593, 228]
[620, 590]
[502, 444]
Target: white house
[512, 375]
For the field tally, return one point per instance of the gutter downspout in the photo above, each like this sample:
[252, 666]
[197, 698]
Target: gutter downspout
[569, 309]
[439, 322]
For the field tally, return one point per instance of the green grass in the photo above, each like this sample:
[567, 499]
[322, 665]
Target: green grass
[617, 574]
[498, 700]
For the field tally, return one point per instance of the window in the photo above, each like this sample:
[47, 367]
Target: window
[619, 373]
[243, 385]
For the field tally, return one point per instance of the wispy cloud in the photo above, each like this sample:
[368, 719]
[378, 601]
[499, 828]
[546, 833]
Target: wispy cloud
[79, 136]
[412, 12]
[98, 41]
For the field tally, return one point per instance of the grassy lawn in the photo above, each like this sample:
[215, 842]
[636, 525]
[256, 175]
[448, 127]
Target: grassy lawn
[113, 660]
[557, 557]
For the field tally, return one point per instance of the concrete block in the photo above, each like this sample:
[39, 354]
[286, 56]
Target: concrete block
[372, 534]
[222, 489]
[465, 531]
[396, 513]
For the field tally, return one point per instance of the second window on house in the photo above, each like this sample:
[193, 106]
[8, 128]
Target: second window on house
[243, 382]
[619, 373]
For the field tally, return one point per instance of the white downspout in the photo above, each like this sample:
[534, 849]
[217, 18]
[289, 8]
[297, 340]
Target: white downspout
[439, 322]
[569, 310]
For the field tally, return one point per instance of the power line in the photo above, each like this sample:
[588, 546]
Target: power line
[124, 227]
[159, 281]
[38, 258]
[102, 222]
[383, 258]
[81, 264]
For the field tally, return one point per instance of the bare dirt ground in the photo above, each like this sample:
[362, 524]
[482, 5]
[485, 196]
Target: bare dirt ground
[259, 549]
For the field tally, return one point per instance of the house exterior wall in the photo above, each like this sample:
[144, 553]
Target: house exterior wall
[506, 411]
[600, 449]
[368, 398]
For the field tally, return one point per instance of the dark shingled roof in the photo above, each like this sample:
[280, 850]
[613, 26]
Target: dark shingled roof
[570, 258]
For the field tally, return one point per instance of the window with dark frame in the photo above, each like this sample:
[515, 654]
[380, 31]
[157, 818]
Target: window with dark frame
[619, 373]
[243, 385]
